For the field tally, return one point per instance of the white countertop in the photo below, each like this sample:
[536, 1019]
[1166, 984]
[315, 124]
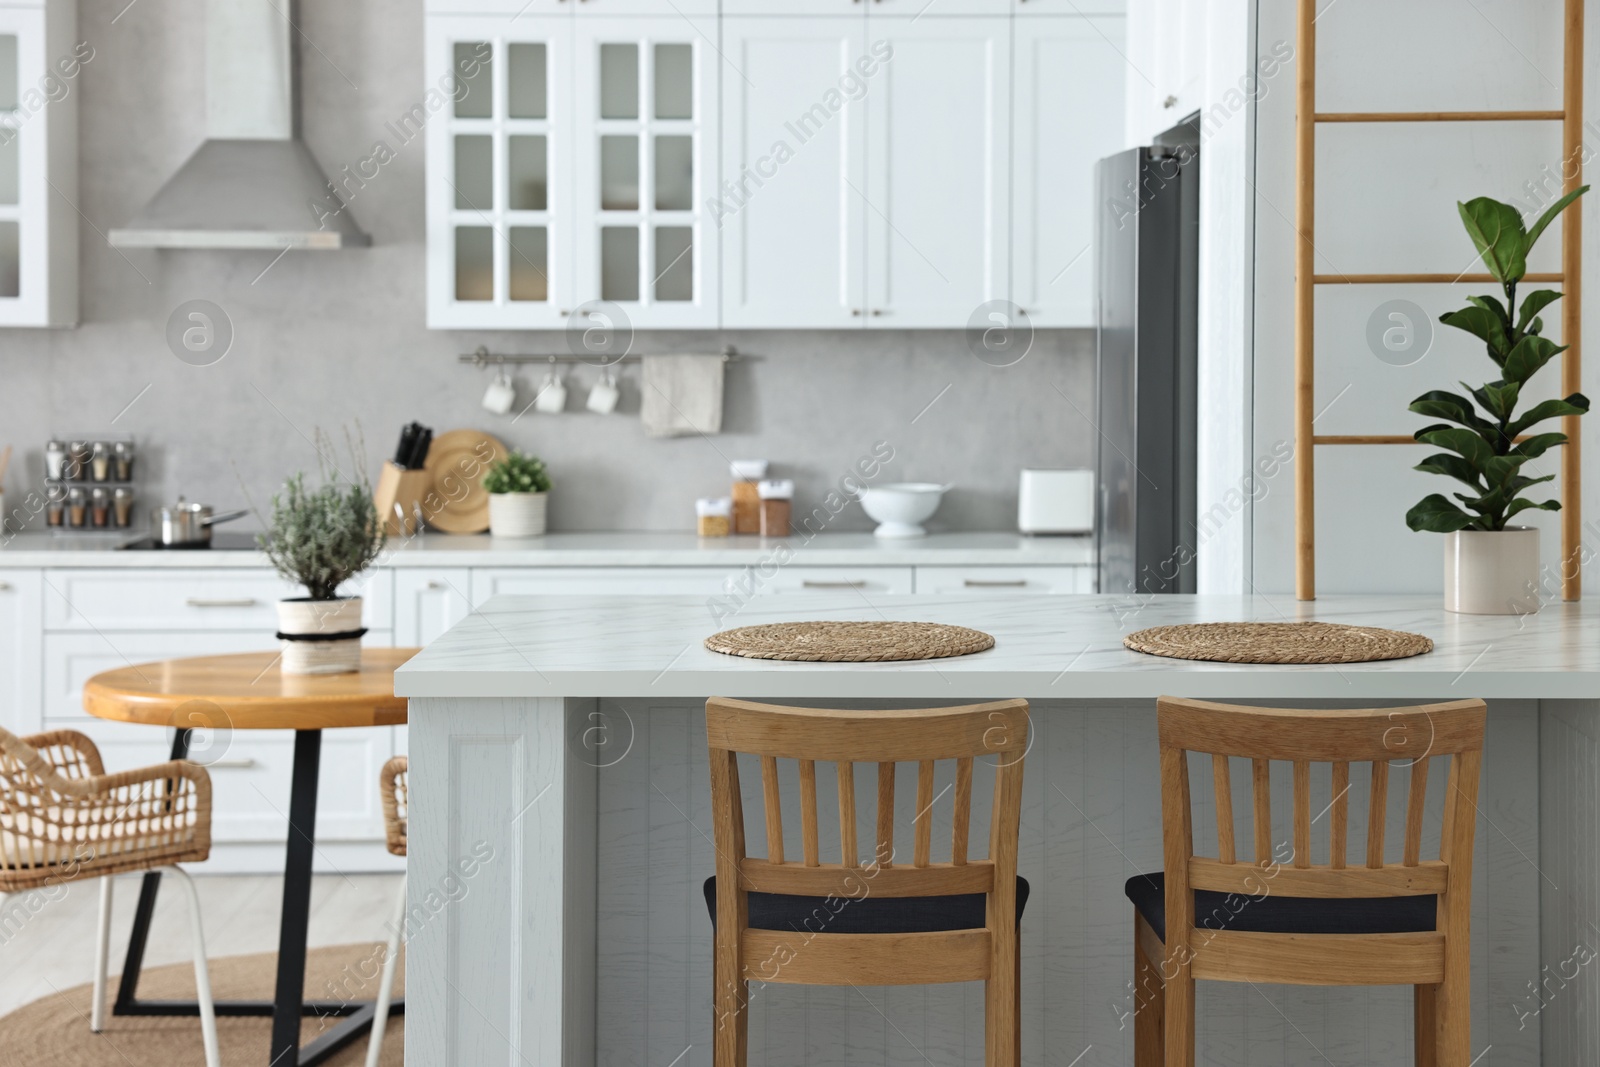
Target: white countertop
[593, 550]
[1045, 647]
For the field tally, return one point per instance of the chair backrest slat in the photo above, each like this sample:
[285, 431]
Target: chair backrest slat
[771, 798]
[1261, 778]
[962, 824]
[808, 813]
[1223, 785]
[923, 820]
[1414, 804]
[1377, 813]
[1339, 833]
[885, 837]
[847, 813]
[1302, 813]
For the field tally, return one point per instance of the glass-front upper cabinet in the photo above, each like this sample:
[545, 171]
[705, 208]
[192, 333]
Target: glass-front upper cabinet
[40, 65]
[645, 170]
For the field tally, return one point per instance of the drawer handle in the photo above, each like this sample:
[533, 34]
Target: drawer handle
[435, 585]
[240, 602]
[851, 583]
[979, 583]
[228, 764]
[5, 587]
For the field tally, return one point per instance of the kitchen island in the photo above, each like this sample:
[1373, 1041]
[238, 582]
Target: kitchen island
[560, 828]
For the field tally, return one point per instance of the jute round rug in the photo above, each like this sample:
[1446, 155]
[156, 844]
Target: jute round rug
[1277, 642]
[54, 1031]
[849, 642]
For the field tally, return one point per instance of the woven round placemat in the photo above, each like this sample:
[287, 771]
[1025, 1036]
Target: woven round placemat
[1278, 642]
[849, 642]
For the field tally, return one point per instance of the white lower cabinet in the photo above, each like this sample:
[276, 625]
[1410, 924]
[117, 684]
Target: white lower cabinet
[20, 592]
[427, 602]
[935, 580]
[692, 581]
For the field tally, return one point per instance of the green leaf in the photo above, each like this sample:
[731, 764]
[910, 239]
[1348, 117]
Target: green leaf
[1435, 514]
[1490, 303]
[1526, 505]
[1534, 303]
[1576, 404]
[1497, 232]
[1483, 324]
[1452, 466]
[1440, 404]
[1550, 216]
[1464, 443]
[1538, 445]
[1529, 356]
[1498, 398]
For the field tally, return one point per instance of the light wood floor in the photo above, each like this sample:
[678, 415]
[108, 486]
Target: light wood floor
[47, 943]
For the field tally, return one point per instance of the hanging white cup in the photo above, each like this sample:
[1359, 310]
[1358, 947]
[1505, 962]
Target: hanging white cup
[552, 396]
[604, 396]
[501, 395]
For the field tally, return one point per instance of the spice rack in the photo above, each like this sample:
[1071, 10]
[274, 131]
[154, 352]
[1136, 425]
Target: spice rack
[89, 484]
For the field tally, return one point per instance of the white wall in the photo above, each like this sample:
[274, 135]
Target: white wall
[1386, 202]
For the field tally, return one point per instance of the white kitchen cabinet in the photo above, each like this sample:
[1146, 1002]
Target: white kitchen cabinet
[694, 581]
[1069, 74]
[790, 208]
[41, 60]
[664, 8]
[428, 601]
[520, 9]
[174, 599]
[1164, 76]
[1070, 8]
[1004, 580]
[644, 168]
[499, 182]
[20, 649]
[938, 170]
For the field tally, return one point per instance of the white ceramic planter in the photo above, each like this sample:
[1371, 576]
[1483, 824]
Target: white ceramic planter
[517, 514]
[1492, 572]
[307, 618]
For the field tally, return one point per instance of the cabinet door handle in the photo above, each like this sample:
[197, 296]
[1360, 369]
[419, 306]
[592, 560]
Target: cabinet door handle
[5, 586]
[239, 602]
[980, 583]
[228, 764]
[879, 311]
[856, 311]
[849, 583]
[436, 585]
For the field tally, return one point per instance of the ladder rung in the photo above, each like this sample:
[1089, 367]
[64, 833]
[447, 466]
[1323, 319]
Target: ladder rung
[1441, 279]
[1441, 116]
[1374, 439]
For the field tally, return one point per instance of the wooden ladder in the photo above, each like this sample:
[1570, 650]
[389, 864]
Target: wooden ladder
[1306, 280]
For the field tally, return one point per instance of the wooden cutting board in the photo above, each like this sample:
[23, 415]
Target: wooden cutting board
[457, 461]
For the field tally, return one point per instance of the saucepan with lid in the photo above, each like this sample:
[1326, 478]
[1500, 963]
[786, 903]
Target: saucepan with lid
[186, 525]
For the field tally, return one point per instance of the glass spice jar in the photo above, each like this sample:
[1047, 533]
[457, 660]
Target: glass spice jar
[77, 498]
[100, 505]
[79, 456]
[55, 459]
[713, 516]
[100, 462]
[122, 506]
[55, 503]
[122, 461]
[747, 474]
[776, 497]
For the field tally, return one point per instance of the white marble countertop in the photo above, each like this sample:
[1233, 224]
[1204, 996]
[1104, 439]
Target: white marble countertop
[1045, 647]
[609, 549]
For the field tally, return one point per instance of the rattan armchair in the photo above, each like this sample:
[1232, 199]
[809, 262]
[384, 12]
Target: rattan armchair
[396, 801]
[63, 819]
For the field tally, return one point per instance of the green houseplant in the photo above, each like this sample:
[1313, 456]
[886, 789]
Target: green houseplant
[1491, 566]
[518, 487]
[321, 538]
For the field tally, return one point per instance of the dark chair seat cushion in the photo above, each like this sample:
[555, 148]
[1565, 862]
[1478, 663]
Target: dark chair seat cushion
[1286, 915]
[865, 915]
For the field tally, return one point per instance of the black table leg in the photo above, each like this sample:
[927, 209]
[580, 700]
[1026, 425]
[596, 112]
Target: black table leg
[292, 931]
[128, 988]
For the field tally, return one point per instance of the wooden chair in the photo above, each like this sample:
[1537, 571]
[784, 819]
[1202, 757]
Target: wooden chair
[396, 801]
[64, 819]
[1281, 918]
[879, 923]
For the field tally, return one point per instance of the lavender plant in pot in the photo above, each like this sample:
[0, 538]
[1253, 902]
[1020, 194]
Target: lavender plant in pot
[1491, 567]
[321, 538]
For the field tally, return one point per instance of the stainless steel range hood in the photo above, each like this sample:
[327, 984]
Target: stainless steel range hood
[251, 184]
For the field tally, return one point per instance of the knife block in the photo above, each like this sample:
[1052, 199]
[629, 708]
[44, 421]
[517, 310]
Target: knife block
[396, 485]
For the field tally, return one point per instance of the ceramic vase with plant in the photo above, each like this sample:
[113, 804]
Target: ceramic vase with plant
[518, 487]
[1491, 566]
[321, 538]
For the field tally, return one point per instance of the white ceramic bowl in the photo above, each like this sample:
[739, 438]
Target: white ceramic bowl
[902, 507]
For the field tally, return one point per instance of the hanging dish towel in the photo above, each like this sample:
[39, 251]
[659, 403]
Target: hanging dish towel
[682, 395]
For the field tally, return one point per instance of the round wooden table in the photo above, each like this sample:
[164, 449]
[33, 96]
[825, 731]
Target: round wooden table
[247, 691]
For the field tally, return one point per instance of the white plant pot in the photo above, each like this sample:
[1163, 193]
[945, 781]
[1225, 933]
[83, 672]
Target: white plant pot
[339, 652]
[1492, 572]
[517, 514]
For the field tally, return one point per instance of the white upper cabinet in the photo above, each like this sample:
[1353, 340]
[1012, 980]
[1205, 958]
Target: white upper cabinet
[645, 168]
[1059, 131]
[938, 170]
[40, 65]
[499, 189]
[516, 10]
[1076, 8]
[790, 208]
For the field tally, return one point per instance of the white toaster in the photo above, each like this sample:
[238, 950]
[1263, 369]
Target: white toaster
[1056, 502]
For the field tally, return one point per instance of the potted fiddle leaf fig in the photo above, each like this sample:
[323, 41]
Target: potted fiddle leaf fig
[518, 487]
[320, 538]
[1491, 566]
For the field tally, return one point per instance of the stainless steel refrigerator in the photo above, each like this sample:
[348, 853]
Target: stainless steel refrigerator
[1147, 244]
